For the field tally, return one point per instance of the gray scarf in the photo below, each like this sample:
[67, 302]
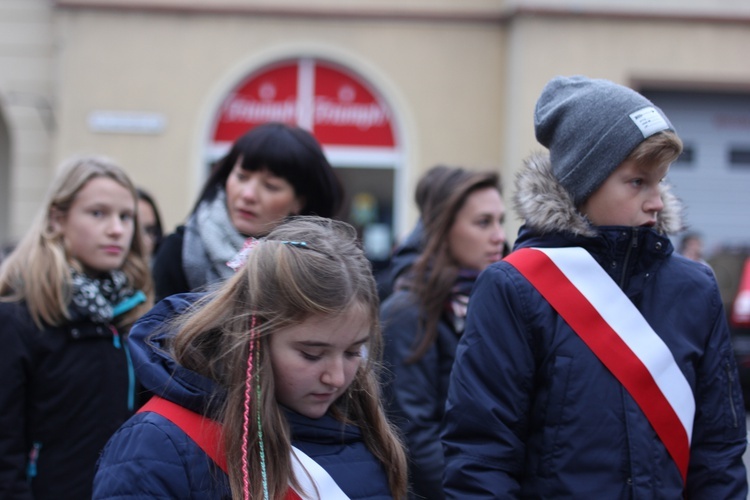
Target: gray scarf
[210, 241]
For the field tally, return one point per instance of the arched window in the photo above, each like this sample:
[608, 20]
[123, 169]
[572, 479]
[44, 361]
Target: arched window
[348, 117]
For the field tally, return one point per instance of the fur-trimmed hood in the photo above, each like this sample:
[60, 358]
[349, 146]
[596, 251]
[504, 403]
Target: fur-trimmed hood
[546, 207]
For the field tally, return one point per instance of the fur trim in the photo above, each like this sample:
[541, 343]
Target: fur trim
[544, 205]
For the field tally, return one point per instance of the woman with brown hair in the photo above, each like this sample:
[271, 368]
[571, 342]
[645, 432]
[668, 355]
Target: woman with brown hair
[423, 319]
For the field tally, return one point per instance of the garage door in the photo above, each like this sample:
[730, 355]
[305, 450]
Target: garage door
[713, 175]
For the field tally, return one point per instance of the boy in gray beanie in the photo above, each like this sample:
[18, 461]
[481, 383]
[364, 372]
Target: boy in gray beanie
[596, 362]
[590, 127]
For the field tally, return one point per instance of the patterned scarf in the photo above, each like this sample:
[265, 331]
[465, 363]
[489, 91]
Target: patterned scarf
[101, 299]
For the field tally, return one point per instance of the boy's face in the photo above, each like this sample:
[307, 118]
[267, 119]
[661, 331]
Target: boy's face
[629, 197]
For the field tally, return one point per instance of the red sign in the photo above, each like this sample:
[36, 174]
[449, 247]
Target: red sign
[271, 96]
[336, 106]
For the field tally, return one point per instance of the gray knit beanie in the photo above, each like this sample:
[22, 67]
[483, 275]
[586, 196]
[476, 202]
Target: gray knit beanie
[590, 127]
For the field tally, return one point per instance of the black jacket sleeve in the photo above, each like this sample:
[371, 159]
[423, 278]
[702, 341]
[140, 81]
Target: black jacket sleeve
[15, 357]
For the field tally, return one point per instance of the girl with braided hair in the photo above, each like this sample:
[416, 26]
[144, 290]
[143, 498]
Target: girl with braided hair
[279, 366]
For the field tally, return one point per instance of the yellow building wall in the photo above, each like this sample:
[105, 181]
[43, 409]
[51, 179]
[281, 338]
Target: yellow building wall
[27, 114]
[443, 80]
[462, 77]
[694, 54]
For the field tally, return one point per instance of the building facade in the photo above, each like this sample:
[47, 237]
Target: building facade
[390, 87]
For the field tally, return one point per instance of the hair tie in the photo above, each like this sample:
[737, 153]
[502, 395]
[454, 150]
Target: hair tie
[294, 243]
[240, 257]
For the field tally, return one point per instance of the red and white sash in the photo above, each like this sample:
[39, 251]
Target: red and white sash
[315, 482]
[312, 477]
[594, 306]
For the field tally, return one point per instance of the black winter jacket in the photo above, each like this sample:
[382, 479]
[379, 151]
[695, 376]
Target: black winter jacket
[416, 392]
[64, 392]
[169, 277]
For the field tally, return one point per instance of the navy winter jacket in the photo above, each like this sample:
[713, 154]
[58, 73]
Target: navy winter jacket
[416, 392]
[149, 457]
[403, 257]
[533, 413]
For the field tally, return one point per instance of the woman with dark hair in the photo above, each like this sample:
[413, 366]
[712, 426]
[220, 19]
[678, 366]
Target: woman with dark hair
[273, 171]
[423, 319]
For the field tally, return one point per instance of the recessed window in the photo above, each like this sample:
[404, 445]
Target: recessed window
[686, 158]
[739, 157]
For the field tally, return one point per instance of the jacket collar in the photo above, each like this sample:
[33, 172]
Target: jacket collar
[546, 207]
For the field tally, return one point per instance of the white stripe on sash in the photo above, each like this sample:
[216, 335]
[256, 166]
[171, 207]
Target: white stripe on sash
[312, 477]
[625, 319]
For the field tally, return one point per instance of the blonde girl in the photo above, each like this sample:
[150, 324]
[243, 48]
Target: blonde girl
[68, 293]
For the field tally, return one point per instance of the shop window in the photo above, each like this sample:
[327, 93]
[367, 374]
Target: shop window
[686, 158]
[739, 157]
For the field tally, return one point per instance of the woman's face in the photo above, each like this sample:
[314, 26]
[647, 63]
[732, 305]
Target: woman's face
[476, 237]
[98, 228]
[315, 362]
[258, 201]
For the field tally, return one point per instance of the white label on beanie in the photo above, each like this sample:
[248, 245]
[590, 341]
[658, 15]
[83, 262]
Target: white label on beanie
[649, 121]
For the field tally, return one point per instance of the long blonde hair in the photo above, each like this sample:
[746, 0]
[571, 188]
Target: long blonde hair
[38, 270]
[283, 284]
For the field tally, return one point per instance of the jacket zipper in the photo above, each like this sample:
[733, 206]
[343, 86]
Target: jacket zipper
[119, 344]
[730, 377]
[626, 262]
[33, 459]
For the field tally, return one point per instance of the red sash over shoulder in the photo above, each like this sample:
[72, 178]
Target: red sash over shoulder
[612, 327]
[205, 432]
